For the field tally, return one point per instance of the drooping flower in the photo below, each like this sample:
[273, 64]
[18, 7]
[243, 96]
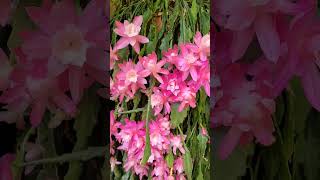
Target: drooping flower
[70, 41]
[129, 33]
[188, 61]
[178, 165]
[150, 63]
[133, 75]
[176, 143]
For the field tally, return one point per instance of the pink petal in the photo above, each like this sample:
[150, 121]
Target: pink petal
[136, 48]
[268, 37]
[311, 85]
[142, 39]
[194, 74]
[138, 20]
[240, 43]
[65, 103]
[122, 43]
[37, 112]
[229, 142]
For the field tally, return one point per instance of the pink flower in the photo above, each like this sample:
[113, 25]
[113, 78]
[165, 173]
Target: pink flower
[158, 100]
[203, 45]
[245, 108]
[5, 70]
[133, 75]
[5, 9]
[176, 143]
[113, 57]
[302, 58]
[187, 62]
[150, 63]
[160, 169]
[71, 41]
[129, 33]
[113, 163]
[172, 83]
[5, 166]
[178, 165]
[187, 96]
[170, 55]
[253, 17]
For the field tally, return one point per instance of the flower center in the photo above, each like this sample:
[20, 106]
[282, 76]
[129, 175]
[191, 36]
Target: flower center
[190, 58]
[173, 87]
[132, 76]
[69, 46]
[131, 30]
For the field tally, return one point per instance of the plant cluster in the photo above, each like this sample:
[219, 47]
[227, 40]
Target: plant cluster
[154, 145]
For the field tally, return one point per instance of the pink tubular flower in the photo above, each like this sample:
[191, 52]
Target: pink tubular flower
[246, 108]
[113, 57]
[150, 63]
[5, 166]
[203, 45]
[172, 83]
[187, 96]
[161, 169]
[247, 18]
[178, 165]
[171, 54]
[113, 163]
[71, 41]
[133, 76]
[158, 100]
[176, 143]
[5, 9]
[187, 62]
[129, 33]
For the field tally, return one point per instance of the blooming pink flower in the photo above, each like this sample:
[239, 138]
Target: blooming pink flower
[172, 83]
[158, 100]
[187, 96]
[170, 55]
[302, 59]
[247, 18]
[245, 109]
[32, 87]
[188, 61]
[129, 33]
[70, 41]
[113, 163]
[150, 63]
[5, 9]
[203, 45]
[176, 143]
[178, 165]
[113, 57]
[133, 75]
[160, 169]
[5, 166]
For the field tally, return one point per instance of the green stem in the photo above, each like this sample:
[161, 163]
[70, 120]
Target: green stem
[131, 111]
[92, 152]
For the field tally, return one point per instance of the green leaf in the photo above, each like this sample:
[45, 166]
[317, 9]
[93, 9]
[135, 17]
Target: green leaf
[170, 159]
[202, 141]
[147, 148]
[194, 10]
[187, 163]
[176, 118]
